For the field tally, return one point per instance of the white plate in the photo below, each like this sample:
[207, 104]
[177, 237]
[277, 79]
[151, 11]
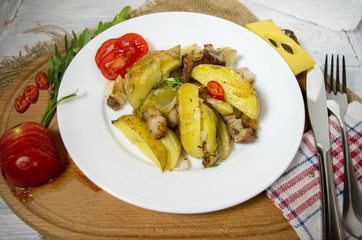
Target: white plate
[108, 159]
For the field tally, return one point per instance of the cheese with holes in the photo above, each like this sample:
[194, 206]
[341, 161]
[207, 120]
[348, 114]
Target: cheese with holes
[296, 57]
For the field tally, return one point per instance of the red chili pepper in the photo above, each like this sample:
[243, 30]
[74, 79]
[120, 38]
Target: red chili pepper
[31, 94]
[41, 80]
[215, 90]
[21, 105]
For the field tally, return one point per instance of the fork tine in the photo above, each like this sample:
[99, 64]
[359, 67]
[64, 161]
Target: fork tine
[344, 78]
[326, 73]
[331, 76]
[337, 76]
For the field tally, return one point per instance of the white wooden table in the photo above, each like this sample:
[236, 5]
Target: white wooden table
[17, 16]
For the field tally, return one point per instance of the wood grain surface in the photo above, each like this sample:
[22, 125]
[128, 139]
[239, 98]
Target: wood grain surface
[72, 207]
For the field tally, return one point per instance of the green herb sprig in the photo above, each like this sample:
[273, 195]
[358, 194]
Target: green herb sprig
[58, 63]
[173, 82]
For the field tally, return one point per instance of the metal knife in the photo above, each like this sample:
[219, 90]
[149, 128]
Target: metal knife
[318, 114]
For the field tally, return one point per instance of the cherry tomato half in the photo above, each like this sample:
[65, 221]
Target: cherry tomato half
[31, 94]
[41, 80]
[21, 105]
[116, 55]
[215, 90]
[138, 43]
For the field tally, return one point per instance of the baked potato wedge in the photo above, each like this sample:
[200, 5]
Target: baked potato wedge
[173, 145]
[170, 59]
[223, 138]
[140, 79]
[154, 67]
[238, 91]
[190, 119]
[208, 135]
[135, 129]
[221, 107]
[163, 99]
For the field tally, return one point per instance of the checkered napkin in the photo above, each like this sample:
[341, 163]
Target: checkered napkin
[297, 192]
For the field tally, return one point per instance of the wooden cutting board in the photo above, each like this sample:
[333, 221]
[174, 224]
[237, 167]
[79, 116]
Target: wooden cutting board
[72, 207]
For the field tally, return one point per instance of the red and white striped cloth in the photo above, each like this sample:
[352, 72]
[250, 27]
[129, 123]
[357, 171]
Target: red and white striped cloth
[297, 192]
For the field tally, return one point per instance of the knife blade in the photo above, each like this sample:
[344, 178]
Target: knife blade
[318, 114]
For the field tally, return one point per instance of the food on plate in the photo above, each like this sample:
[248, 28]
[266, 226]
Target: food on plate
[154, 67]
[238, 91]
[189, 114]
[186, 100]
[296, 57]
[173, 145]
[135, 129]
[210, 146]
[28, 155]
[223, 138]
[117, 54]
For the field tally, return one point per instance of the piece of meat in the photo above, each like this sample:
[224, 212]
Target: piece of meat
[156, 122]
[187, 65]
[172, 118]
[213, 55]
[117, 96]
[237, 130]
[247, 74]
[113, 103]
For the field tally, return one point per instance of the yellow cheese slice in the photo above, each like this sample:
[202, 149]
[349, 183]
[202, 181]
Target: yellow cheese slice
[296, 57]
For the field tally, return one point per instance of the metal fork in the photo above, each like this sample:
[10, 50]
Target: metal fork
[337, 104]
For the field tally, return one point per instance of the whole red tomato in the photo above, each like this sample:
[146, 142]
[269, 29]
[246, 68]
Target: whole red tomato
[28, 155]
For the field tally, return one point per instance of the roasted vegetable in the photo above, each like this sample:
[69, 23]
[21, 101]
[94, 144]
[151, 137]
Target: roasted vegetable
[221, 107]
[154, 67]
[190, 119]
[223, 138]
[135, 129]
[173, 145]
[238, 91]
[162, 98]
[208, 135]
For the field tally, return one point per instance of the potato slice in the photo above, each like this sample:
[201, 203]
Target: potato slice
[135, 129]
[170, 60]
[238, 91]
[144, 74]
[163, 99]
[140, 79]
[173, 145]
[208, 135]
[222, 107]
[190, 119]
[223, 137]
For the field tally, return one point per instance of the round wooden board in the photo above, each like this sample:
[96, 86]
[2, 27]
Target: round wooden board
[72, 207]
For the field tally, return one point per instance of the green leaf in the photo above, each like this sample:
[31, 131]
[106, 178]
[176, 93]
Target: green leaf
[84, 38]
[122, 16]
